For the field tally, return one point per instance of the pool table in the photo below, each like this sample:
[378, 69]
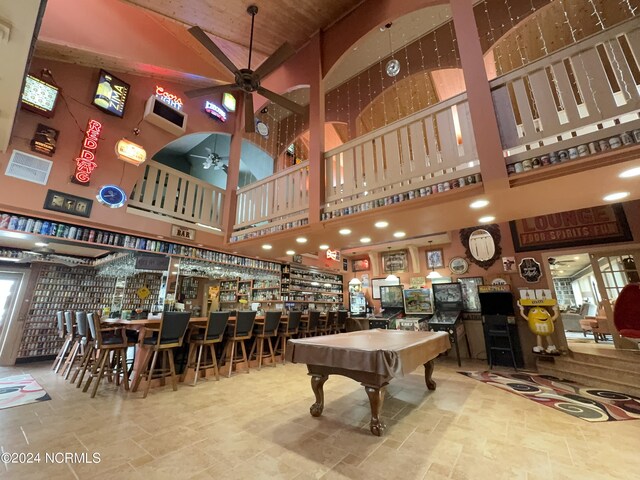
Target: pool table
[371, 357]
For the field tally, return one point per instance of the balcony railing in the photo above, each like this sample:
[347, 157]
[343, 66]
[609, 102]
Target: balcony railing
[430, 151]
[170, 193]
[274, 203]
[580, 94]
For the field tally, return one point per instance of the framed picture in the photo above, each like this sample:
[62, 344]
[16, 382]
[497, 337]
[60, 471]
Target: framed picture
[70, 204]
[470, 297]
[376, 283]
[394, 262]
[435, 258]
[458, 265]
[360, 265]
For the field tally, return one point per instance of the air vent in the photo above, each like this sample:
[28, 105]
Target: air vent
[28, 167]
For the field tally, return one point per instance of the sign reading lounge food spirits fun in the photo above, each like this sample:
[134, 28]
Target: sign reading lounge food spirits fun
[86, 161]
[587, 226]
[333, 255]
[169, 98]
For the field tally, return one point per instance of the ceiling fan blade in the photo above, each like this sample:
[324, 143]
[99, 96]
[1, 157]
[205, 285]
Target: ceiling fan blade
[277, 58]
[207, 43]
[199, 92]
[199, 156]
[283, 101]
[249, 122]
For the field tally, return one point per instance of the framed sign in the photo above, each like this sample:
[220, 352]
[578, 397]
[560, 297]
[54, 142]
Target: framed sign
[530, 270]
[458, 265]
[587, 226]
[394, 262]
[470, 297]
[185, 233]
[376, 283]
[70, 204]
[360, 265]
[152, 262]
[44, 140]
[111, 94]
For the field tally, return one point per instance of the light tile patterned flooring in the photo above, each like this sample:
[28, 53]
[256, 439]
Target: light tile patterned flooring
[258, 426]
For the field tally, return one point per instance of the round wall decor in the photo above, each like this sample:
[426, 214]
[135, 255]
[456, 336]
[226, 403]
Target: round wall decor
[458, 265]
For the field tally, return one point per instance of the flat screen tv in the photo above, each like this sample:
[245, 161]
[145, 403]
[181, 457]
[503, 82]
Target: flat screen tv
[391, 296]
[39, 96]
[111, 94]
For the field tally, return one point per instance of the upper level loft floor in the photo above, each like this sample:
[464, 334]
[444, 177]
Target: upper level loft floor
[403, 121]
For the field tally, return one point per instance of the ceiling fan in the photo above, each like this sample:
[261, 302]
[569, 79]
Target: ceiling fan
[246, 79]
[212, 159]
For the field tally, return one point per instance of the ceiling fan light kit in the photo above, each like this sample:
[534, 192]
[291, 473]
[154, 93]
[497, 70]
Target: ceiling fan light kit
[247, 80]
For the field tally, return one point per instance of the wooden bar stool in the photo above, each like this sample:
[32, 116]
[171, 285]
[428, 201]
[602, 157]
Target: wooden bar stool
[341, 323]
[71, 333]
[170, 335]
[106, 341]
[79, 346]
[288, 331]
[212, 334]
[68, 338]
[332, 323]
[323, 326]
[309, 328]
[89, 356]
[241, 331]
[266, 331]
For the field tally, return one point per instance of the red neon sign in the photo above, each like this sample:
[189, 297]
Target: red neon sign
[169, 98]
[85, 162]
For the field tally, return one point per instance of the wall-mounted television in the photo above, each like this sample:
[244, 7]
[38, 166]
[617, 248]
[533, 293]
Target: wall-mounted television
[39, 96]
[111, 94]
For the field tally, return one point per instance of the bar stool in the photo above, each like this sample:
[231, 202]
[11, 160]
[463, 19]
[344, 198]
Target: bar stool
[170, 335]
[68, 338]
[310, 327]
[332, 322]
[113, 342]
[241, 331]
[78, 349]
[69, 326]
[288, 331]
[266, 331]
[213, 333]
[323, 325]
[89, 357]
[341, 323]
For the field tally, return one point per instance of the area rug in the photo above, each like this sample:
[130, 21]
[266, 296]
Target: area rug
[20, 390]
[588, 403]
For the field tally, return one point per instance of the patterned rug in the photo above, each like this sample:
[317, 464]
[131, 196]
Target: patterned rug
[20, 390]
[588, 403]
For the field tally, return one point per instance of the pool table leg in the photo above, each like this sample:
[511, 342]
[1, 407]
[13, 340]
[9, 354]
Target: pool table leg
[376, 399]
[428, 370]
[317, 382]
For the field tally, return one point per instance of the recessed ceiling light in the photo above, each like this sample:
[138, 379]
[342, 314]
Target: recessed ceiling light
[479, 204]
[266, 246]
[632, 172]
[576, 258]
[290, 252]
[399, 234]
[41, 244]
[365, 240]
[487, 219]
[561, 271]
[301, 240]
[612, 197]
[324, 247]
[381, 224]
[344, 231]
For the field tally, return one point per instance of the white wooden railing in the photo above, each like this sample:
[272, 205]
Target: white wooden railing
[280, 199]
[587, 90]
[431, 146]
[175, 195]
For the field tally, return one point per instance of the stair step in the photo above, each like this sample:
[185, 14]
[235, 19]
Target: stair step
[604, 370]
[585, 379]
[629, 364]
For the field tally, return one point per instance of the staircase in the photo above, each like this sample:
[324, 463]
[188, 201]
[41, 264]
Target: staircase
[617, 370]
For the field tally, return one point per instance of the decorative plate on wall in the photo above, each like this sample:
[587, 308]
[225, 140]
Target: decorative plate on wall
[458, 265]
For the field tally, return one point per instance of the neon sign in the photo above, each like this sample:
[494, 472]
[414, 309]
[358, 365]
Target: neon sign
[85, 162]
[169, 98]
[333, 255]
[215, 111]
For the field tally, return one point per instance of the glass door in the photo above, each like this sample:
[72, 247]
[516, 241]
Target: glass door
[9, 287]
[612, 272]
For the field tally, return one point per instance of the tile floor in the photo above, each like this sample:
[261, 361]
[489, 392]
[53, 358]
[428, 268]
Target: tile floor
[258, 426]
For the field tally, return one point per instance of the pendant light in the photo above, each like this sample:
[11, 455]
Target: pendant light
[354, 281]
[393, 65]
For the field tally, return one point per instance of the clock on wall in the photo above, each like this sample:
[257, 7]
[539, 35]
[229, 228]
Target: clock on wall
[112, 196]
[262, 128]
